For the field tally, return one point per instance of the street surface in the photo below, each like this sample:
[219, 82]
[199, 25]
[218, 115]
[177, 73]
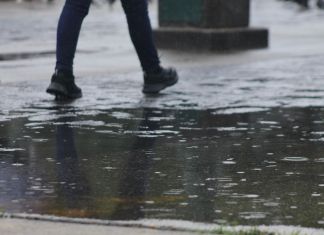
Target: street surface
[239, 141]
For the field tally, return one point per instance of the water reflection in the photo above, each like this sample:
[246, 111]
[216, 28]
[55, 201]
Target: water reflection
[134, 181]
[72, 185]
[125, 164]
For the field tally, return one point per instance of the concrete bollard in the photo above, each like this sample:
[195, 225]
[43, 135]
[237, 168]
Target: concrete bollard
[213, 25]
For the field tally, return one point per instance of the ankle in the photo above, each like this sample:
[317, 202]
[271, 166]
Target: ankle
[64, 72]
[155, 70]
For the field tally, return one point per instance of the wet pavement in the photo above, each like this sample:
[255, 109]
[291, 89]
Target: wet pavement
[237, 141]
[240, 145]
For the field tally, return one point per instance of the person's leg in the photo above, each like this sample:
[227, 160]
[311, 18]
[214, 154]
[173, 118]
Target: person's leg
[62, 84]
[141, 33]
[156, 78]
[68, 31]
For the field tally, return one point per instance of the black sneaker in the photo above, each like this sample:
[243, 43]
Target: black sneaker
[155, 82]
[63, 87]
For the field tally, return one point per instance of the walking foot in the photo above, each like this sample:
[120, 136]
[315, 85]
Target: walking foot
[157, 81]
[63, 87]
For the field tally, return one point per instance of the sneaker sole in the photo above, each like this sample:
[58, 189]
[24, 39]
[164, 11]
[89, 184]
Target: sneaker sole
[60, 92]
[156, 88]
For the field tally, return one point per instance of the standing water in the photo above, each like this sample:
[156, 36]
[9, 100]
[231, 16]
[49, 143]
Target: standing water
[124, 164]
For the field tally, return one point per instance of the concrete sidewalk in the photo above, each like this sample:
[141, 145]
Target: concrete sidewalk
[30, 227]
[33, 224]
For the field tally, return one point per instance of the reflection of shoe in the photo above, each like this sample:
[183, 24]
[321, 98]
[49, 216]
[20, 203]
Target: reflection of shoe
[155, 82]
[63, 87]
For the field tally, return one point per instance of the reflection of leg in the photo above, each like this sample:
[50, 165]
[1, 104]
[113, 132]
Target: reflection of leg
[133, 187]
[68, 31]
[141, 33]
[73, 183]
[67, 157]
[134, 182]
[135, 179]
[65, 143]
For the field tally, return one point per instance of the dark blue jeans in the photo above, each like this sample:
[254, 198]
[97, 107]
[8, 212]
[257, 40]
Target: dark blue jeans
[139, 26]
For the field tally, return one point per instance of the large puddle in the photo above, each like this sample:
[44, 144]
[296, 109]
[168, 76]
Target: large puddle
[122, 164]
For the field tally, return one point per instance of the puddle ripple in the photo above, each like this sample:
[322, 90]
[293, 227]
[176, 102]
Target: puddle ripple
[295, 159]
[131, 164]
